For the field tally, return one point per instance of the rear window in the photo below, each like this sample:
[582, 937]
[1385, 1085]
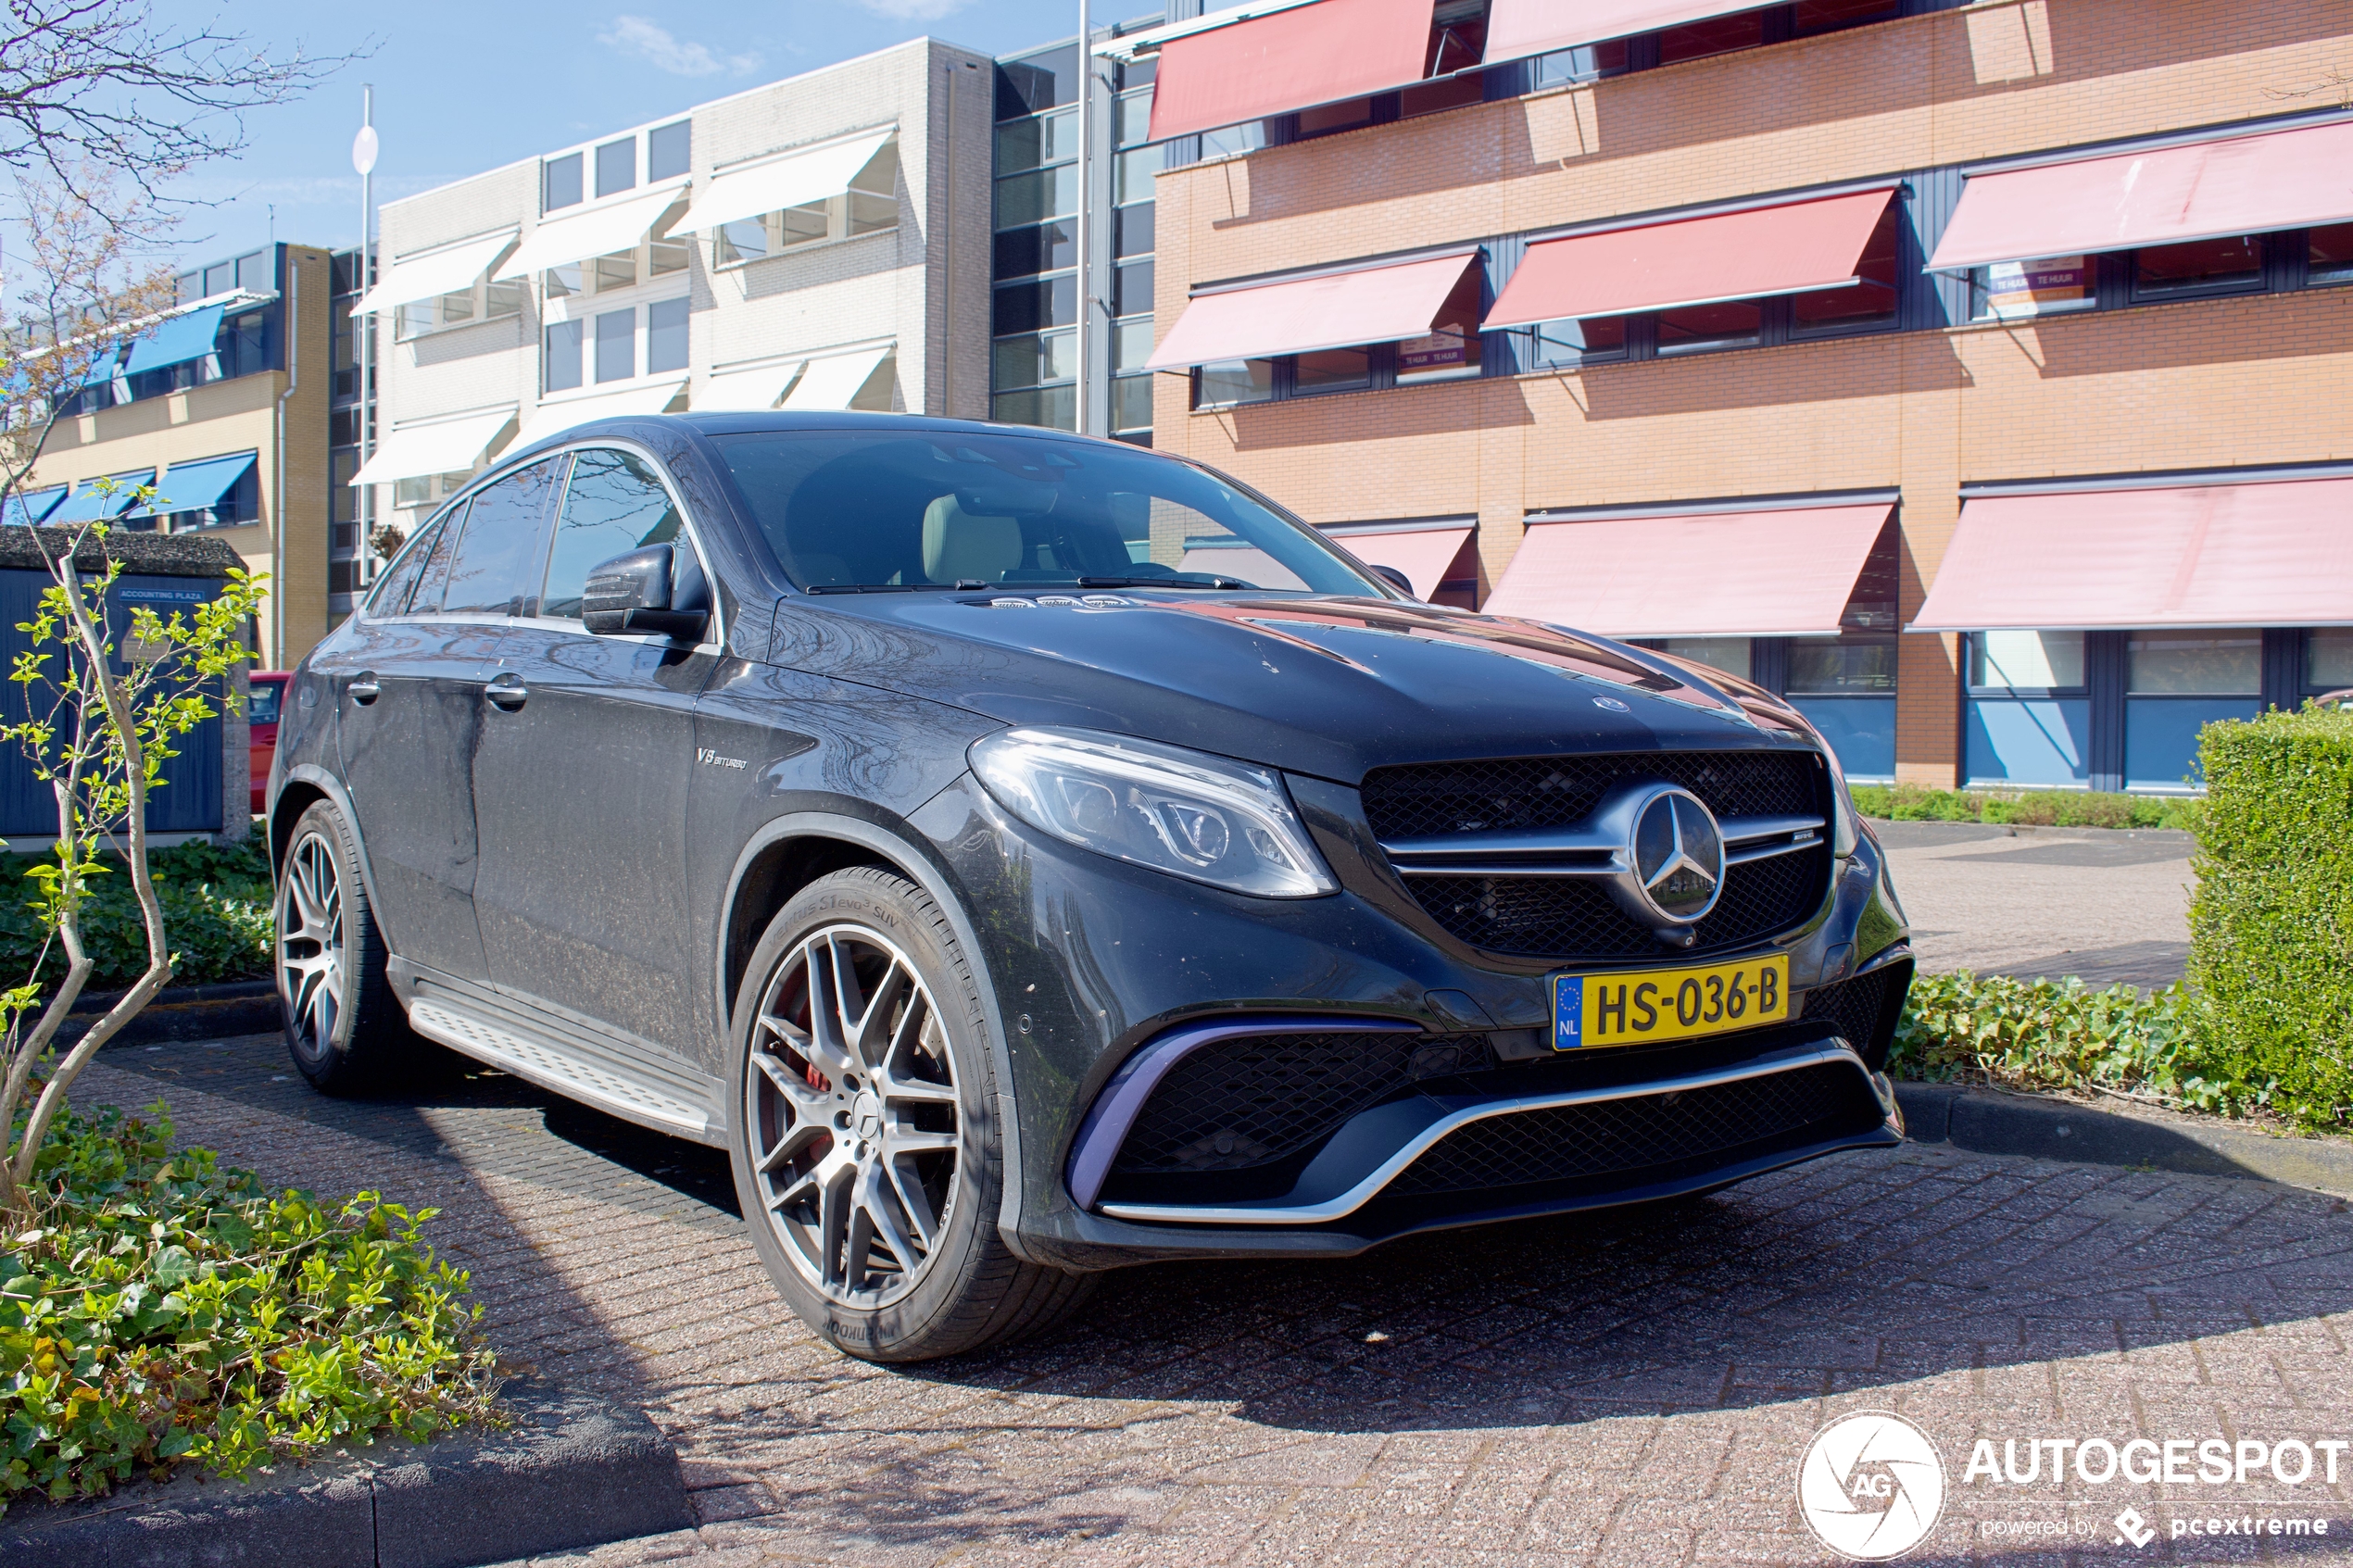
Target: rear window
[261, 702]
[875, 509]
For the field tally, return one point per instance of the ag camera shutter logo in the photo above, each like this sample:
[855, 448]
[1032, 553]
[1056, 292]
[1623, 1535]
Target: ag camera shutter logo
[1870, 1485]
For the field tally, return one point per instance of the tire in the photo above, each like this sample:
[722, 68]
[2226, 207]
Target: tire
[343, 1025]
[866, 1150]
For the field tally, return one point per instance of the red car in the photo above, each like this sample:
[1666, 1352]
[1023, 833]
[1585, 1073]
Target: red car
[261, 719]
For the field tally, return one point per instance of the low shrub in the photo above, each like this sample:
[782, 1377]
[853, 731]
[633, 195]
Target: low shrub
[2062, 1034]
[2038, 807]
[216, 911]
[160, 1310]
[2272, 921]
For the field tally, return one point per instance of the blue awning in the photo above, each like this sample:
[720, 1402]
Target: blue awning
[32, 506]
[177, 341]
[185, 487]
[86, 504]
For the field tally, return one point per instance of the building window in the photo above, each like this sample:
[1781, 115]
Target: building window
[670, 150]
[617, 167]
[1131, 406]
[562, 367]
[1035, 304]
[1841, 666]
[560, 182]
[1036, 195]
[1586, 63]
[666, 335]
[1697, 328]
[486, 301]
[240, 504]
[1332, 370]
[616, 345]
[2328, 254]
[2010, 291]
[1596, 338]
[1235, 381]
[2026, 660]
[1452, 348]
[1047, 139]
[869, 206]
[1868, 303]
[428, 490]
[2199, 663]
[1716, 35]
[2199, 267]
[1036, 359]
[1734, 655]
[1055, 408]
[2328, 660]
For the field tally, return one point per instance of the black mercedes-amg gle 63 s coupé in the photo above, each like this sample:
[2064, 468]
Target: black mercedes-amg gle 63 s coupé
[1026, 855]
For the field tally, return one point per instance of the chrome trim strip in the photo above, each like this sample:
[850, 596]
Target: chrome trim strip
[1122, 1100]
[1575, 841]
[1766, 851]
[1365, 1191]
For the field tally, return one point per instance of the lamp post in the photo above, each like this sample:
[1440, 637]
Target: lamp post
[1082, 235]
[363, 329]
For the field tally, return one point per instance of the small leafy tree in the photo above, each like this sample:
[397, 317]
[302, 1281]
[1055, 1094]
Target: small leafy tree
[97, 735]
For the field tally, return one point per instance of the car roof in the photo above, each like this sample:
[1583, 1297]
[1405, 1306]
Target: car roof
[777, 420]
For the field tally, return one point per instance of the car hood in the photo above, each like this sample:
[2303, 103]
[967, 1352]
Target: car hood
[1329, 687]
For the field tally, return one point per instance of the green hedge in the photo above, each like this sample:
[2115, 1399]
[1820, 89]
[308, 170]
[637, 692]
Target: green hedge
[160, 1310]
[2039, 807]
[216, 911]
[2272, 923]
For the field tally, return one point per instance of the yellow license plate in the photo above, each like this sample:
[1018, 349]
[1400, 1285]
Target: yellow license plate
[1643, 1007]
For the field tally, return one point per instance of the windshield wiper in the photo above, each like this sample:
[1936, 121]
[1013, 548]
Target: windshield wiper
[1177, 580]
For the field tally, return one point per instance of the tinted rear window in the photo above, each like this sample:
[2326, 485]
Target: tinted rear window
[888, 510]
[261, 702]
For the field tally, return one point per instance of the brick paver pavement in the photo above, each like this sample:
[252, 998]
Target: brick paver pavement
[1624, 1388]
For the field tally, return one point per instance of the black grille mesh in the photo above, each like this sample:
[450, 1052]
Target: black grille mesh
[1727, 1121]
[1252, 1101]
[1858, 1006]
[1434, 799]
[1573, 916]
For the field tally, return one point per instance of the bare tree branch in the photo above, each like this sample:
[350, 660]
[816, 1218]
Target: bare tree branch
[109, 85]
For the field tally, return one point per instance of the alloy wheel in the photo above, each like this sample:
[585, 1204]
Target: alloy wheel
[852, 1111]
[310, 944]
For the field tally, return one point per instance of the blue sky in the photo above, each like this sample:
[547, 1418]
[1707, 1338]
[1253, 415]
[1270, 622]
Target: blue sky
[461, 88]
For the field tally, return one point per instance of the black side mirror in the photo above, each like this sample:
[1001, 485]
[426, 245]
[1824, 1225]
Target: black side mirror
[1395, 579]
[651, 589]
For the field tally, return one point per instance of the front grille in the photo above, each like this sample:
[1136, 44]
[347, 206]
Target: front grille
[1573, 916]
[1428, 800]
[1260, 1099]
[1719, 1125]
[1862, 1009]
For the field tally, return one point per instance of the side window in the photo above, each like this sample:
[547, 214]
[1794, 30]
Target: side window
[614, 504]
[489, 568]
[433, 575]
[390, 596]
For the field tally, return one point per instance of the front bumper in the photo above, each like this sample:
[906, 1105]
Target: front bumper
[1095, 963]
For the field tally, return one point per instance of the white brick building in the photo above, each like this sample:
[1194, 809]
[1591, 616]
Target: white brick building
[820, 242]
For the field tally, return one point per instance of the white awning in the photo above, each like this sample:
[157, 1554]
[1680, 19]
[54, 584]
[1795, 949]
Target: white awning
[793, 179]
[747, 392]
[552, 419]
[831, 383]
[444, 446]
[600, 230]
[446, 270]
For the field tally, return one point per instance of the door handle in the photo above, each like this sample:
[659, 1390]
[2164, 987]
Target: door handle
[507, 693]
[363, 688]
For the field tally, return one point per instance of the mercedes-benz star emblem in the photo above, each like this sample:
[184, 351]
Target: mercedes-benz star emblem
[1679, 857]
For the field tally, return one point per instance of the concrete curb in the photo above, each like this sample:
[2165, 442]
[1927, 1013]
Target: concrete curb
[1989, 1122]
[573, 1471]
[186, 1012]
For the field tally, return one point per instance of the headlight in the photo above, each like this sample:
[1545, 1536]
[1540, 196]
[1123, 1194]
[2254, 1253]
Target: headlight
[1183, 812]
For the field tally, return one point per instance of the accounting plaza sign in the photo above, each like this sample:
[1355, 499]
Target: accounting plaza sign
[1874, 1486]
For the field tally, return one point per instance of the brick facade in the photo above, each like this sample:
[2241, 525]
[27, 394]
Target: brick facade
[2207, 383]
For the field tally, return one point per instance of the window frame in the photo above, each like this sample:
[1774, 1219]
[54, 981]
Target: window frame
[490, 301]
[1972, 645]
[837, 211]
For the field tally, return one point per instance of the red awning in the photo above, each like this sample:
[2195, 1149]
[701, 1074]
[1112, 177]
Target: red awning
[1422, 554]
[2278, 553]
[1318, 54]
[1716, 574]
[2203, 191]
[1746, 255]
[1516, 29]
[1336, 310]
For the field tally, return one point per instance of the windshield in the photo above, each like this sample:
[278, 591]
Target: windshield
[873, 509]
